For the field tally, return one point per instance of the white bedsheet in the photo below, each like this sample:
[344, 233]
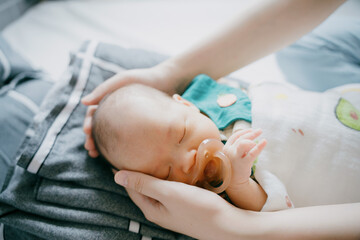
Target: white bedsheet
[49, 31]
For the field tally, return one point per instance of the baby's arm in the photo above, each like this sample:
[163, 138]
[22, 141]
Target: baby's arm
[242, 152]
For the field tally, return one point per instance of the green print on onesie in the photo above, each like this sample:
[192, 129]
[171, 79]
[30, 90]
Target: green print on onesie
[348, 114]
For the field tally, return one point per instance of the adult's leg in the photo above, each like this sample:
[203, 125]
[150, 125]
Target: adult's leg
[17, 109]
[325, 58]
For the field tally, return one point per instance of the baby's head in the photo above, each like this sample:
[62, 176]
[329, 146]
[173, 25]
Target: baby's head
[142, 129]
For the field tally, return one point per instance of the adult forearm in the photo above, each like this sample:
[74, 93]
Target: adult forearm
[261, 29]
[205, 215]
[320, 222]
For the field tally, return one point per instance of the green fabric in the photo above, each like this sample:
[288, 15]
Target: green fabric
[203, 92]
[348, 114]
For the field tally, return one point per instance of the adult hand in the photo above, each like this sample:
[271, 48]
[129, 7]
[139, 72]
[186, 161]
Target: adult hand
[163, 76]
[202, 214]
[183, 208]
[89, 141]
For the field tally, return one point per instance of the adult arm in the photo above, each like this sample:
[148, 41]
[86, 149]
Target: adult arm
[261, 29]
[202, 214]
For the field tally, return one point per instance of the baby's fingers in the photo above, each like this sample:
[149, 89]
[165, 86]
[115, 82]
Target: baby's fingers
[239, 134]
[239, 149]
[256, 150]
[252, 135]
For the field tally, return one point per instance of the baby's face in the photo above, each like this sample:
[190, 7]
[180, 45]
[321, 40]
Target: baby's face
[164, 142]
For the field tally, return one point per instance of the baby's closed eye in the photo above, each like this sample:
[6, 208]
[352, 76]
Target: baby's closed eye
[183, 133]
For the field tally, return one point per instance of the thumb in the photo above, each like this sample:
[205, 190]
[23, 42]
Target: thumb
[97, 94]
[104, 88]
[151, 208]
[138, 186]
[146, 185]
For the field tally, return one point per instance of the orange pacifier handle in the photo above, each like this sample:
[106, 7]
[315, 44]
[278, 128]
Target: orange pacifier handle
[213, 166]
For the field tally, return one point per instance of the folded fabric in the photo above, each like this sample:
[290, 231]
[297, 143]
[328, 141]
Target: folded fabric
[21, 92]
[313, 149]
[11, 63]
[205, 93]
[56, 185]
[72, 204]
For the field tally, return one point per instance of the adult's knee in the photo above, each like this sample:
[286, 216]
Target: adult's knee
[325, 58]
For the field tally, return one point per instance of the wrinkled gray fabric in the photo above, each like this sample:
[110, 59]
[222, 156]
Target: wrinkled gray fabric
[11, 63]
[70, 195]
[19, 86]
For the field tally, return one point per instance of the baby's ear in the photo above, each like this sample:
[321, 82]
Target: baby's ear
[182, 100]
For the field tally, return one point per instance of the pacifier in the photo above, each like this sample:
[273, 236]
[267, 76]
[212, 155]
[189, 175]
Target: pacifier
[212, 166]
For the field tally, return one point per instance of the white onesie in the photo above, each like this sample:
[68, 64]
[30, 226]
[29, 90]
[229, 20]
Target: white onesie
[313, 151]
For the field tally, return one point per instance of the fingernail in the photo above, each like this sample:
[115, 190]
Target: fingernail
[87, 98]
[121, 178]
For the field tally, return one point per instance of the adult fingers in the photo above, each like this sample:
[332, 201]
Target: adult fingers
[104, 88]
[146, 185]
[93, 153]
[88, 119]
[89, 143]
[90, 146]
[149, 206]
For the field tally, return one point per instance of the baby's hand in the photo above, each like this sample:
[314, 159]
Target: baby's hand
[242, 151]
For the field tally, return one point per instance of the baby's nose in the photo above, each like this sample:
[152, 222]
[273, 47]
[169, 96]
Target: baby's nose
[189, 161]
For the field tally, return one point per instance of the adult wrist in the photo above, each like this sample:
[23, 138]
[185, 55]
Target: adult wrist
[175, 77]
[242, 224]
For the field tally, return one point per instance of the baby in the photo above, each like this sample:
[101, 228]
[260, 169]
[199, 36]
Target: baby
[142, 129]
